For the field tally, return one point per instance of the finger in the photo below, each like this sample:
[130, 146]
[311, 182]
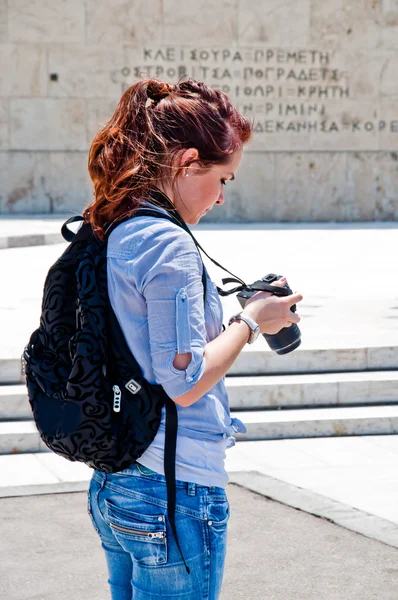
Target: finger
[294, 298]
[280, 282]
[294, 319]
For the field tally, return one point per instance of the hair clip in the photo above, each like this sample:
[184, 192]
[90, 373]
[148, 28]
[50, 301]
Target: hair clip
[149, 102]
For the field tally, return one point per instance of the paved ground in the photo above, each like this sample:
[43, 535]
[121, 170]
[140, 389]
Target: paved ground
[50, 552]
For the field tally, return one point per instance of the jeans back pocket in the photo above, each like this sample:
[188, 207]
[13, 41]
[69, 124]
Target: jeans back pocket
[143, 536]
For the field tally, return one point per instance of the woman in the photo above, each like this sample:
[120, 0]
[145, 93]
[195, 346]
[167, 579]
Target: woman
[171, 146]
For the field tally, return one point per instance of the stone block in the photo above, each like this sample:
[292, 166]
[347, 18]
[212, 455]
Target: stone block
[272, 22]
[387, 188]
[99, 111]
[86, 71]
[382, 358]
[310, 187]
[348, 125]
[64, 192]
[26, 72]
[46, 21]
[388, 136]
[343, 24]
[390, 24]
[124, 21]
[388, 77]
[201, 22]
[3, 124]
[17, 437]
[27, 191]
[3, 20]
[3, 186]
[250, 197]
[373, 181]
[360, 71]
[47, 124]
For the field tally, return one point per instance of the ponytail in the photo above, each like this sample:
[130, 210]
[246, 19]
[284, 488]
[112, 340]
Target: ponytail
[152, 123]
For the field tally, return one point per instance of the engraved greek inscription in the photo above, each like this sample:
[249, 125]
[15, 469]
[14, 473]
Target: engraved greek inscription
[221, 74]
[287, 92]
[164, 54]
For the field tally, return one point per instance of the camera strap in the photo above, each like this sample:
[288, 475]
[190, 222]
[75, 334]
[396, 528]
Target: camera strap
[261, 286]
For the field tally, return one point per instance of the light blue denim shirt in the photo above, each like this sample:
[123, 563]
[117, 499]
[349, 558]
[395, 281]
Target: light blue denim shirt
[156, 291]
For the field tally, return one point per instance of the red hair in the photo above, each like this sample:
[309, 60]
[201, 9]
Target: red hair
[153, 122]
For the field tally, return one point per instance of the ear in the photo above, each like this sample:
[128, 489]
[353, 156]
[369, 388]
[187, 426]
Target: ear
[187, 157]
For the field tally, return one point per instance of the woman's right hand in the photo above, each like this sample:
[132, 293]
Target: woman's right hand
[272, 313]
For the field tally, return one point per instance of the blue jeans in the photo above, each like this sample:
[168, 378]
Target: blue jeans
[129, 512]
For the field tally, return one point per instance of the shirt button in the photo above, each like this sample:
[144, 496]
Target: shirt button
[224, 435]
[189, 379]
[160, 518]
[210, 522]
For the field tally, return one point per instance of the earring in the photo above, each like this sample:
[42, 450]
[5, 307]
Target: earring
[186, 173]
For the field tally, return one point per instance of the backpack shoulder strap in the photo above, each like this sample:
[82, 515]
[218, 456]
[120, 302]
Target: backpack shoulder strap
[67, 234]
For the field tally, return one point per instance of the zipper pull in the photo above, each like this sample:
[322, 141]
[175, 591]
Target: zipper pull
[159, 534]
[117, 397]
[23, 365]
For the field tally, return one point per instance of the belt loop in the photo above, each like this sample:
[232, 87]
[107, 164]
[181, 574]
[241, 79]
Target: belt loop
[191, 489]
[212, 489]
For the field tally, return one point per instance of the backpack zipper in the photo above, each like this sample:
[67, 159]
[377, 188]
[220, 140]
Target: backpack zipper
[23, 365]
[117, 397]
[150, 535]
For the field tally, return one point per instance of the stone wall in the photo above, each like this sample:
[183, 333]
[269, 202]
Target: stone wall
[319, 79]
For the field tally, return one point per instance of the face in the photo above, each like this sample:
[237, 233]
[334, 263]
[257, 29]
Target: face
[197, 193]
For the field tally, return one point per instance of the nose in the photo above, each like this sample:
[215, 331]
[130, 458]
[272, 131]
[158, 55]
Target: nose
[221, 198]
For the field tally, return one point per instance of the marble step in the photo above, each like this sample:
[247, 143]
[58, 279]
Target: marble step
[259, 360]
[14, 403]
[18, 437]
[313, 390]
[308, 390]
[318, 422]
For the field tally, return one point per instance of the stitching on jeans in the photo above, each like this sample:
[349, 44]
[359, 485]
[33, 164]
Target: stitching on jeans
[151, 500]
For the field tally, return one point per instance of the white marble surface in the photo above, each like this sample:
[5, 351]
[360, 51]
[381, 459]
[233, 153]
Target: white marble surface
[46, 21]
[361, 472]
[26, 72]
[47, 124]
[3, 124]
[86, 72]
[124, 21]
[329, 264]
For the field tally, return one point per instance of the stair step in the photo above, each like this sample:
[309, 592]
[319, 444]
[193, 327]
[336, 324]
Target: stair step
[22, 436]
[261, 361]
[14, 403]
[17, 437]
[318, 422]
[266, 392]
[322, 389]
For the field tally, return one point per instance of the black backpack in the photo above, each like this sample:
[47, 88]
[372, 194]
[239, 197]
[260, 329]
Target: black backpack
[89, 399]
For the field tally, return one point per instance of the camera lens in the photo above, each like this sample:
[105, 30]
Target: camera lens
[286, 340]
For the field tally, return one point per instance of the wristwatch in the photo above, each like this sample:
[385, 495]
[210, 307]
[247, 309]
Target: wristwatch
[254, 328]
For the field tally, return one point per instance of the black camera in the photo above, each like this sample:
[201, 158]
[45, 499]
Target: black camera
[288, 338]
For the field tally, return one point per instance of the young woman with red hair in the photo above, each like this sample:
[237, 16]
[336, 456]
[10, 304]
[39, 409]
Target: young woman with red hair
[171, 147]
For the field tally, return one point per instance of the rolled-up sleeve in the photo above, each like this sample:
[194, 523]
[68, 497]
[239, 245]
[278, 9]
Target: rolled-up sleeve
[171, 283]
